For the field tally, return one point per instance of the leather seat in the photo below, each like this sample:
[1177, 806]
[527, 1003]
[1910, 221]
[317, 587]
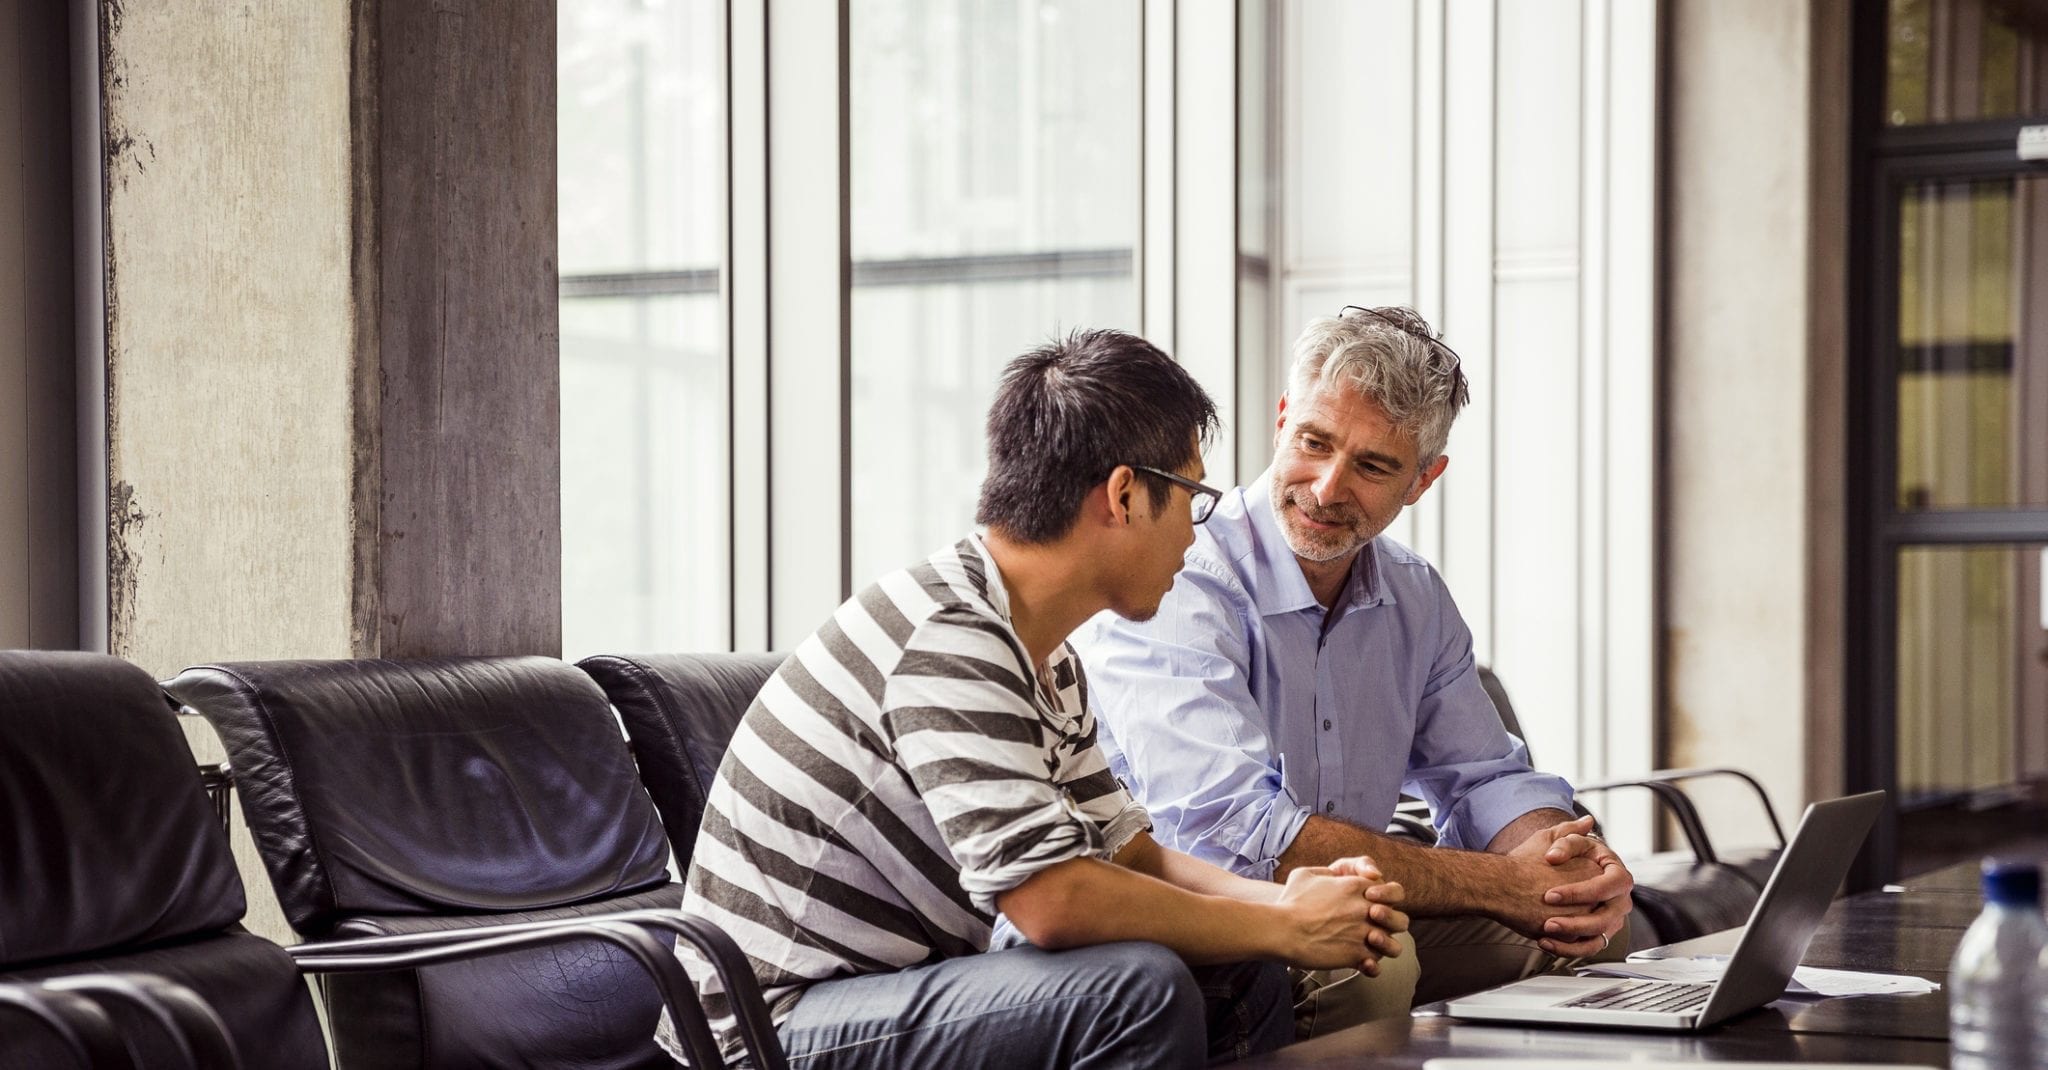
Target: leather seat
[111, 861]
[402, 797]
[681, 710]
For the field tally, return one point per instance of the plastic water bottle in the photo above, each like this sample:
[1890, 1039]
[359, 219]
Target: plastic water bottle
[1990, 1019]
[2037, 989]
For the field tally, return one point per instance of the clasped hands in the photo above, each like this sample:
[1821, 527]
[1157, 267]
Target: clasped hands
[1346, 915]
[1577, 897]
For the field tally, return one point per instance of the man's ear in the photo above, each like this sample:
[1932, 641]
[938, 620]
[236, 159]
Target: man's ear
[1120, 491]
[1280, 421]
[1426, 480]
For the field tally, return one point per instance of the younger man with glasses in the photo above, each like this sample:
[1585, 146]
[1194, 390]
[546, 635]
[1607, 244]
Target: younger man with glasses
[1306, 670]
[927, 759]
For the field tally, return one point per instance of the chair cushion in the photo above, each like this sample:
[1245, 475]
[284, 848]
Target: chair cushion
[447, 785]
[584, 1004]
[681, 711]
[250, 982]
[108, 838]
[1685, 899]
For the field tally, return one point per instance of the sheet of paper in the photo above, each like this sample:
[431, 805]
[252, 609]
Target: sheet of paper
[1807, 981]
[1510, 1063]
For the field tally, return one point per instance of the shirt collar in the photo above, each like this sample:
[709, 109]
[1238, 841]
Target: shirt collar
[998, 594]
[1282, 588]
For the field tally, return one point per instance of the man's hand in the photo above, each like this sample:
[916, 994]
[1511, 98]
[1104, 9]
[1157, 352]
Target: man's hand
[1342, 915]
[1580, 898]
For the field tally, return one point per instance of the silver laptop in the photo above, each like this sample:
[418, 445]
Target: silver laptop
[1780, 927]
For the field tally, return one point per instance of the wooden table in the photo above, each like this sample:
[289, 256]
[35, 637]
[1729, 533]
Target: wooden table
[1913, 931]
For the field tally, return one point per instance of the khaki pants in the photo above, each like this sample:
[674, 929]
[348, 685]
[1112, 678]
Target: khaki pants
[1441, 958]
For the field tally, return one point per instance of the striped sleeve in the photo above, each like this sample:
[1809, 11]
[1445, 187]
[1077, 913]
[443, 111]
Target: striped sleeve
[1088, 780]
[959, 713]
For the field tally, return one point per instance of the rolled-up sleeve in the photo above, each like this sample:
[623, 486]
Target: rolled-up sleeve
[1472, 772]
[1177, 714]
[958, 711]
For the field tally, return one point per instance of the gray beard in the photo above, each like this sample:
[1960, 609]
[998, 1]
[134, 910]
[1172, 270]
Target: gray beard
[1318, 552]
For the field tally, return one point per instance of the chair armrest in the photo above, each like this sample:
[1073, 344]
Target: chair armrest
[1681, 807]
[757, 1028]
[1672, 776]
[79, 1024]
[410, 950]
[219, 782]
[742, 989]
[196, 1031]
[216, 778]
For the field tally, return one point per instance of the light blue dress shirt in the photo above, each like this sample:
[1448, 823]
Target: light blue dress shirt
[1234, 714]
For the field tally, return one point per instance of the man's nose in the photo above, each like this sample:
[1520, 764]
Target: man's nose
[1328, 485]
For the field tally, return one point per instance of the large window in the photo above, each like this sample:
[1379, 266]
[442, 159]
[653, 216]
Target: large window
[646, 444]
[995, 202]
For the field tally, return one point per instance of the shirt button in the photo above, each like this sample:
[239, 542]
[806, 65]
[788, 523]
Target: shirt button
[1329, 808]
[1326, 724]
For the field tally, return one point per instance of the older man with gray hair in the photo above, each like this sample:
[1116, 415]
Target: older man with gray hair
[1306, 669]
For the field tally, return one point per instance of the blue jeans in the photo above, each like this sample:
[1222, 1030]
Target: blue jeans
[1128, 1004]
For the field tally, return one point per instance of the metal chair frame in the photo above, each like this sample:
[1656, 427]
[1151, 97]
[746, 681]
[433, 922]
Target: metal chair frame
[71, 1008]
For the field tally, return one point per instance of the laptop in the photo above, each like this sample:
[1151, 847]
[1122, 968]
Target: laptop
[1786, 915]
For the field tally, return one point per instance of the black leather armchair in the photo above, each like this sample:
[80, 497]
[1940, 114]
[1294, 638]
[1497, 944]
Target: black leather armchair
[680, 710]
[111, 863]
[405, 800]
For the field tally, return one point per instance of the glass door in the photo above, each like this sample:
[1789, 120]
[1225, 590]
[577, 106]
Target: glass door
[1948, 658]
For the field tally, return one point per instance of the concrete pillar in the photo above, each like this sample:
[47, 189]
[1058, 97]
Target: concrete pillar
[231, 327]
[459, 424]
[332, 419]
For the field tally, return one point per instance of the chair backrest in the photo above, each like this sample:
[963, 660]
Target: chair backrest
[431, 787]
[1501, 705]
[406, 796]
[111, 860]
[681, 711]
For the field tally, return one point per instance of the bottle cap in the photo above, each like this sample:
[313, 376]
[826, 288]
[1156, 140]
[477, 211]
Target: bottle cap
[2012, 884]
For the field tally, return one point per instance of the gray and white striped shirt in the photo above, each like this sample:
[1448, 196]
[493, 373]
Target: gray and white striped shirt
[902, 768]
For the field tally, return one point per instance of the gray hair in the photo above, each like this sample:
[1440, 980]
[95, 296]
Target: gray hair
[1392, 357]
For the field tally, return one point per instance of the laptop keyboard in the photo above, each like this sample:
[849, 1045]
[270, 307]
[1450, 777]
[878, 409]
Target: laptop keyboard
[1663, 996]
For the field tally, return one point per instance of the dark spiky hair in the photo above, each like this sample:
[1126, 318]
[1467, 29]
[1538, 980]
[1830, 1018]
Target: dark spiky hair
[1069, 412]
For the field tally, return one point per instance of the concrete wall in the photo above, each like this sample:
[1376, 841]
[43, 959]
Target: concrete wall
[1753, 397]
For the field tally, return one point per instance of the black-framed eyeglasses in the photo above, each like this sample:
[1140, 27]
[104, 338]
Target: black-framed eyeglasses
[1414, 329]
[1202, 499]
